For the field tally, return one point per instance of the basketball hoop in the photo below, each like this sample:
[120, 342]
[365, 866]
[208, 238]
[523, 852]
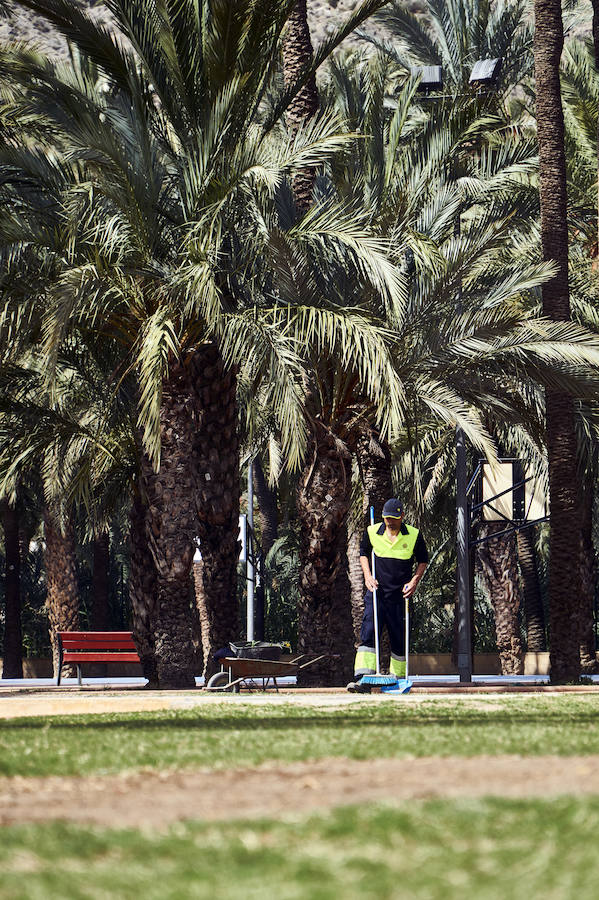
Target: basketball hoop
[508, 492]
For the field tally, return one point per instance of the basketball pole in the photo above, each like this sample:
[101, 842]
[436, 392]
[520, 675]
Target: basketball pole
[463, 561]
[250, 575]
[463, 538]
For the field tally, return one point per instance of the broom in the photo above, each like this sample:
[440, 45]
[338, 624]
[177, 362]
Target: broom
[386, 682]
[402, 685]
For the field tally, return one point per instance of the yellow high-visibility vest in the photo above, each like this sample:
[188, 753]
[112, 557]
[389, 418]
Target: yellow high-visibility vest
[402, 548]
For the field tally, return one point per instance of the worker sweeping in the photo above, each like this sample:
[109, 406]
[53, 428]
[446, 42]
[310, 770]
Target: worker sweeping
[394, 546]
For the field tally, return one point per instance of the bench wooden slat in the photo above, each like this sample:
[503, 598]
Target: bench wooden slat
[83, 647]
[95, 635]
[89, 657]
[68, 644]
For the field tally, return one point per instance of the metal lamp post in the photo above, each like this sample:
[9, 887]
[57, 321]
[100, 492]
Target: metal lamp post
[484, 74]
[250, 575]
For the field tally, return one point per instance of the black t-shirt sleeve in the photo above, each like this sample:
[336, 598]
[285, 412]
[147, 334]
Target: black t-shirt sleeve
[365, 545]
[420, 551]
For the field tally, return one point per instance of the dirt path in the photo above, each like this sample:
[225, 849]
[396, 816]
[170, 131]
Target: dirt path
[18, 702]
[154, 800]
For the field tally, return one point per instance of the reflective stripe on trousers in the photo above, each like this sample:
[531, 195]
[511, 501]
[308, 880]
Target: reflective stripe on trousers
[365, 662]
[397, 666]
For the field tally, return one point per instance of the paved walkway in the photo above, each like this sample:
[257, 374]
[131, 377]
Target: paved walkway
[24, 699]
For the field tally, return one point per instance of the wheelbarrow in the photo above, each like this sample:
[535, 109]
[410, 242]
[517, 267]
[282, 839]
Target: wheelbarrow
[236, 671]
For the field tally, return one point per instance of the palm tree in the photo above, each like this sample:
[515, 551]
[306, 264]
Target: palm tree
[84, 447]
[299, 69]
[173, 572]
[266, 496]
[564, 581]
[580, 88]
[182, 104]
[534, 612]
[53, 438]
[33, 244]
[143, 591]
[596, 60]
[100, 603]
[403, 194]
[179, 171]
[456, 34]
[62, 602]
[581, 98]
[588, 579]
[410, 194]
[298, 55]
[499, 574]
[12, 650]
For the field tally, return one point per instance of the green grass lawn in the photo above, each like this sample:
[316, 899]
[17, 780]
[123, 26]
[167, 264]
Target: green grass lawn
[234, 734]
[479, 850]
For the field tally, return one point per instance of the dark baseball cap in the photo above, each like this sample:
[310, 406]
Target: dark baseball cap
[393, 509]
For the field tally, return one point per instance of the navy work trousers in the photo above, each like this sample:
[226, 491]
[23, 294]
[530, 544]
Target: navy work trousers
[390, 613]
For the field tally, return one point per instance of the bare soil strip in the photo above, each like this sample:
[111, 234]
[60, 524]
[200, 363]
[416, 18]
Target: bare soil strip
[158, 799]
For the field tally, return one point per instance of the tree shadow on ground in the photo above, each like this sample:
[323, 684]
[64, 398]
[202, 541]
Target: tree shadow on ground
[405, 717]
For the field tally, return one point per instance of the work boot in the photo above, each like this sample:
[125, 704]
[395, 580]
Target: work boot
[356, 687]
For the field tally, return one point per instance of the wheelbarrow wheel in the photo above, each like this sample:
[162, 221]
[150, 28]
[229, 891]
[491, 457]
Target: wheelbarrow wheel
[219, 680]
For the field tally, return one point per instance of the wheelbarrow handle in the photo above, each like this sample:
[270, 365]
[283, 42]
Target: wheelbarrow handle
[318, 659]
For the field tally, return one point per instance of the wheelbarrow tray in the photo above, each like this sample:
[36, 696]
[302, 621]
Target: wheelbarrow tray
[261, 668]
[240, 669]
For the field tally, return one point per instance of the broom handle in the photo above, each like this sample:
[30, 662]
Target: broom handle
[407, 636]
[375, 606]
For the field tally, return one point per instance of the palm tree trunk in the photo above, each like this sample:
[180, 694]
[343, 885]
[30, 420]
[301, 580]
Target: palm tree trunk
[356, 581]
[216, 451]
[586, 534]
[12, 652]
[143, 590]
[220, 621]
[267, 506]
[499, 572]
[324, 623]
[100, 613]
[564, 581]
[201, 625]
[172, 527]
[588, 570]
[534, 613]
[62, 599]
[596, 55]
[297, 54]
[374, 464]
[341, 613]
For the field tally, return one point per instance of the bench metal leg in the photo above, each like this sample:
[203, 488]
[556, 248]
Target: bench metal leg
[78, 674]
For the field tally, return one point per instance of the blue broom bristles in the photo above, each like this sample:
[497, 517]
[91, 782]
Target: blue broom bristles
[379, 679]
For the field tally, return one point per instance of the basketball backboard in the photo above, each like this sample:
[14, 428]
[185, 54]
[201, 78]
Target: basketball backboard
[511, 493]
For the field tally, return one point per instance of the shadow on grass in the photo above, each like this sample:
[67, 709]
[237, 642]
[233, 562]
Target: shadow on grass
[405, 717]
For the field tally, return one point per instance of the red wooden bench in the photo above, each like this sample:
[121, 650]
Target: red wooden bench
[95, 647]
